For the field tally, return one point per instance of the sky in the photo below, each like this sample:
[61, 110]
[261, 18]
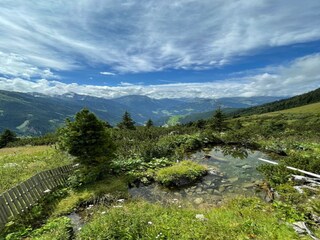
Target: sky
[161, 49]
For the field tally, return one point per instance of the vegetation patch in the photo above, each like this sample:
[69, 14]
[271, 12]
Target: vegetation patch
[180, 174]
[239, 219]
[59, 229]
[20, 163]
[117, 187]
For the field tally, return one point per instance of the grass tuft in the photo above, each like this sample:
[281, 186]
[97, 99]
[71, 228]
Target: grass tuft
[180, 174]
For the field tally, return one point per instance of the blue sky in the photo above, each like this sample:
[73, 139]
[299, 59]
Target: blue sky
[162, 49]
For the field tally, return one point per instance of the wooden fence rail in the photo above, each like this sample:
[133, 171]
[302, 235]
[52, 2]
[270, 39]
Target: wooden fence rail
[22, 197]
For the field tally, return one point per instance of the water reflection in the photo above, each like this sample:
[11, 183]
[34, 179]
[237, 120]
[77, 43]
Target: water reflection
[234, 151]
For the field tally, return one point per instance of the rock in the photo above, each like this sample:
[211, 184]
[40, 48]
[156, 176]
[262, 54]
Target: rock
[217, 192]
[248, 185]
[227, 185]
[222, 189]
[239, 165]
[208, 182]
[198, 201]
[234, 179]
[210, 191]
[246, 167]
[200, 217]
[177, 194]
[299, 227]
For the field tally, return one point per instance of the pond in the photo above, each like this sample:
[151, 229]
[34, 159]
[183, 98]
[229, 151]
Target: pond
[232, 172]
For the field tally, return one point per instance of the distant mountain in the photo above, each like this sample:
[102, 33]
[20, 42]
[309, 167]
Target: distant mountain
[36, 114]
[296, 101]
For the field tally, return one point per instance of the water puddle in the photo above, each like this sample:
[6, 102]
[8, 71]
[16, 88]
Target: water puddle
[76, 222]
[232, 171]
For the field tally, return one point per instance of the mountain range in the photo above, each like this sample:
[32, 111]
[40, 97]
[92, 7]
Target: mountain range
[36, 114]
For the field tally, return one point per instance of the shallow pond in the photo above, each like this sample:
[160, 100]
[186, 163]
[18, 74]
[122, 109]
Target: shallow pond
[231, 172]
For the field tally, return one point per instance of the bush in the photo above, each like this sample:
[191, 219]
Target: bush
[180, 174]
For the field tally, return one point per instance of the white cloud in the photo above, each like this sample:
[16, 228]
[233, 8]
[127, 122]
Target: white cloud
[108, 73]
[142, 36]
[18, 66]
[299, 76]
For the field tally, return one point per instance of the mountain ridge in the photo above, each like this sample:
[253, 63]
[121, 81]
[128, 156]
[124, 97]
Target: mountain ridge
[36, 114]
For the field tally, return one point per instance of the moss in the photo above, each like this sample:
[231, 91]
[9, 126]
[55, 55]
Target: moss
[180, 174]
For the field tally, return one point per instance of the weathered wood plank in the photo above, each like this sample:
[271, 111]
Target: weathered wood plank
[39, 186]
[35, 189]
[29, 188]
[24, 193]
[54, 177]
[48, 179]
[12, 208]
[18, 200]
[44, 182]
[4, 213]
[4, 206]
[22, 197]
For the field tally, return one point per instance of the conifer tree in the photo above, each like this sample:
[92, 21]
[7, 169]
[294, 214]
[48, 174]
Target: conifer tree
[149, 123]
[218, 123]
[87, 139]
[127, 122]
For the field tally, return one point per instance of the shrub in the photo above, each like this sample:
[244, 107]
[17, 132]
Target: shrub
[180, 174]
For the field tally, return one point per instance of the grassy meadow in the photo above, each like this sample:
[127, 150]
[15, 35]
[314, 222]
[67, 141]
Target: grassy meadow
[150, 155]
[20, 163]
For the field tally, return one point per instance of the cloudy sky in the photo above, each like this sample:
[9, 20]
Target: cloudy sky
[176, 48]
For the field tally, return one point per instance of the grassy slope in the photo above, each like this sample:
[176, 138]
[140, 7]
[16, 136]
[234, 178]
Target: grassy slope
[239, 219]
[310, 108]
[296, 101]
[20, 163]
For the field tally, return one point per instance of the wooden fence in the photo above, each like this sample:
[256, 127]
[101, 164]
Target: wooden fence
[21, 198]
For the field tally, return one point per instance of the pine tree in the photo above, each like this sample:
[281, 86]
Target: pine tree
[127, 122]
[149, 123]
[218, 123]
[6, 137]
[87, 139]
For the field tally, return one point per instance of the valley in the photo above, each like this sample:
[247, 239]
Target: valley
[131, 193]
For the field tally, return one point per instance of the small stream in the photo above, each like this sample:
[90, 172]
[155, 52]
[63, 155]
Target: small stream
[232, 171]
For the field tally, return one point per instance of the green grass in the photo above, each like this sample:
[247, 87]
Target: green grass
[182, 173]
[240, 219]
[58, 229]
[174, 120]
[20, 163]
[117, 187]
[310, 108]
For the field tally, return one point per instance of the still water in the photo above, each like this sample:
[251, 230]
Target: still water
[232, 172]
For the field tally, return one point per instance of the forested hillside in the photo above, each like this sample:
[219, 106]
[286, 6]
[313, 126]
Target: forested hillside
[296, 101]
